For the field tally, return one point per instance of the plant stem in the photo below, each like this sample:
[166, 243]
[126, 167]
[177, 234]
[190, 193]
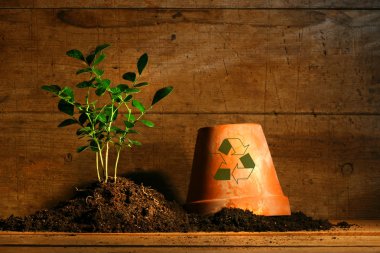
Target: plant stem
[106, 165]
[143, 113]
[101, 155]
[117, 162]
[97, 166]
[88, 95]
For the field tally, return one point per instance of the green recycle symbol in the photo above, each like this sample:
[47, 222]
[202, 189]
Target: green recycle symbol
[238, 149]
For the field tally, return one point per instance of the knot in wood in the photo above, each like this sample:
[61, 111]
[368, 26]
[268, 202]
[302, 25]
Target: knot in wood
[347, 169]
[68, 157]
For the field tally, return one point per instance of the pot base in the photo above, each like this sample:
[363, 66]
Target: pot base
[268, 206]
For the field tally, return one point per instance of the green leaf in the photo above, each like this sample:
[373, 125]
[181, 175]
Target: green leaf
[102, 87]
[78, 105]
[67, 122]
[94, 146]
[128, 98]
[117, 98]
[52, 88]
[132, 131]
[84, 84]
[90, 58]
[82, 148]
[100, 48]
[115, 90]
[85, 70]
[116, 130]
[132, 90]
[132, 118]
[75, 54]
[147, 123]
[102, 118]
[122, 87]
[68, 93]
[98, 72]
[161, 93]
[115, 113]
[138, 105]
[108, 110]
[105, 83]
[83, 131]
[82, 118]
[66, 107]
[99, 59]
[130, 76]
[98, 80]
[140, 84]
[141, 63]
[128, 124]
[137, 143]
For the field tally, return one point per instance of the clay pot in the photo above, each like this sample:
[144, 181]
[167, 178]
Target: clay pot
[232, 167]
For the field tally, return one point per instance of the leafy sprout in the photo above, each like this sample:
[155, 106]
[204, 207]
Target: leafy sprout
[97, 122]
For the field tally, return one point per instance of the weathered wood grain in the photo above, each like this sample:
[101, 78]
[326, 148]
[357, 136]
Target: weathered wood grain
[195, 249]
[189, 4]
[230, 61]
[364, 239]
[309, 76]
[326, 165]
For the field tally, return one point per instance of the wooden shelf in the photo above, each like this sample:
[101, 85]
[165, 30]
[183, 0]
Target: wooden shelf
[365, 237]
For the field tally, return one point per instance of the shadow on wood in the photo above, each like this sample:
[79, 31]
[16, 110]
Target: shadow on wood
[158, 180]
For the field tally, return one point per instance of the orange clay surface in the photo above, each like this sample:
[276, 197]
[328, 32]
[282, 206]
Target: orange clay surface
[233, 167]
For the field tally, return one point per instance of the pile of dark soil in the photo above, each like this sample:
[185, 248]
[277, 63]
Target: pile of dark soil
[112, 207]
[127, 207]
[234, 219]
[344, 225]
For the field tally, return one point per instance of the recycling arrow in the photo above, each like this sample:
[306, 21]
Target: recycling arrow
[238, 148]
[247, 161]
[245, 172]
[222, 173]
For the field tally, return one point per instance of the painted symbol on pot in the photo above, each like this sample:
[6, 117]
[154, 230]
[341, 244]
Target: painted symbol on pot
[232, 156]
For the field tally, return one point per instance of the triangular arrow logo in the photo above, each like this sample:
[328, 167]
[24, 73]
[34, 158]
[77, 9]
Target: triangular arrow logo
[235, 147]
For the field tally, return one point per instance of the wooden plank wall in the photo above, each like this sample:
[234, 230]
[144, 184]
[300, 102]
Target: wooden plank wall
[308, 71]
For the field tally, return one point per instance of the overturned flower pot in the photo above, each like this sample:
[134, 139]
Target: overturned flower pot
[233, 167]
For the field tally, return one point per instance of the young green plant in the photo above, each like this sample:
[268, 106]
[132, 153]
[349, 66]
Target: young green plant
[97, 121]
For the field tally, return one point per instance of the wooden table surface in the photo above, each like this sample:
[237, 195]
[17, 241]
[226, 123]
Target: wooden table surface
[365, 237]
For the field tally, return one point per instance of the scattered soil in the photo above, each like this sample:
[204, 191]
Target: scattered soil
[128, 207]
[344, 225]
[234, 219]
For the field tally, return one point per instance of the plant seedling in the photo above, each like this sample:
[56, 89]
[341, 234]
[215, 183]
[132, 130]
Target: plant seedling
[97, 121]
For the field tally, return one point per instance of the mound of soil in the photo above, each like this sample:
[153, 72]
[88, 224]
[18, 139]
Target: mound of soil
[112, 207]
[127, 207]
[235, 219]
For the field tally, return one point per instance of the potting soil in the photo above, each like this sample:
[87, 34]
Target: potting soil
[128, 207]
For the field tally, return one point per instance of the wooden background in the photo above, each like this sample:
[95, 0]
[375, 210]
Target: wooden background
[308, 71]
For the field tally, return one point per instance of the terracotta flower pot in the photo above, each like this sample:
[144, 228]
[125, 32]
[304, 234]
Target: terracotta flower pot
[233, 167]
